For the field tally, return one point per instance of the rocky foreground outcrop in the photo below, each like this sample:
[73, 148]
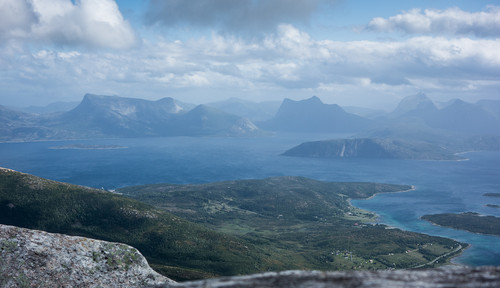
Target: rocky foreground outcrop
[457, 277]
[31, 258]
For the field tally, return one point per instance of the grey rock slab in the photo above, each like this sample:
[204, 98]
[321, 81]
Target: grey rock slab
[460, 277]
[32, 258]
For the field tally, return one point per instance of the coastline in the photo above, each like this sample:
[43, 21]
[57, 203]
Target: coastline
[452, 260]
[376, 216]
[413, 188]
[450, 256]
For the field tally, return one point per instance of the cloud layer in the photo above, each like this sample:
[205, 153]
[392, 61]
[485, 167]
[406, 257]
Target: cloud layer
[452, 21]
[92, 23]
[229, 15]
[285, 61]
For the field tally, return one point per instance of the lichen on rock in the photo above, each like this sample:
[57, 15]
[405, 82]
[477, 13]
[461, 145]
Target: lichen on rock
[31, 258]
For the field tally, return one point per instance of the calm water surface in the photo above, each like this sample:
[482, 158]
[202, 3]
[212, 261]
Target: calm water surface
[442, 186]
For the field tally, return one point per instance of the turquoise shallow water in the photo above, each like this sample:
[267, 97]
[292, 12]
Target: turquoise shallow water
[441, 186]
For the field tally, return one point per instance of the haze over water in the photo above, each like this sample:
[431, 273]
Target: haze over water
[441, 186]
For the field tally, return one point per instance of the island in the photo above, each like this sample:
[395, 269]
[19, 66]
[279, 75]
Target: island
[88, 147]
[372, 148]
[491, 194]
[468, 221]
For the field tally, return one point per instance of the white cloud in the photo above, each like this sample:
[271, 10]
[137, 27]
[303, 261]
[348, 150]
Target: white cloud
[92, 23]
[286, 63]
[453, 21]
[15, 18]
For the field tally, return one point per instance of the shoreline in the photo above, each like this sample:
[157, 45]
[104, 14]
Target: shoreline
[377, 216]
[451, 260]
[413, 188]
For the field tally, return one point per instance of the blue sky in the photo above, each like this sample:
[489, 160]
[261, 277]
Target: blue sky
[363, 53]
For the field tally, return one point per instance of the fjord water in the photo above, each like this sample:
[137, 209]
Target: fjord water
[441, 186]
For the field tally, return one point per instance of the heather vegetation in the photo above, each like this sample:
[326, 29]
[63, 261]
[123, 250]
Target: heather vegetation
[173, 246]
[226, 228]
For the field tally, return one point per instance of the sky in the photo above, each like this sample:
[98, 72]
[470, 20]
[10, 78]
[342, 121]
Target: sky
[352, 53]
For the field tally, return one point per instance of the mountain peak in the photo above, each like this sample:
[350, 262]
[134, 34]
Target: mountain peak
[459, 102]
[170, 102]
[314, 99]
[94, 97]
[415, 104]
[312, 115]
[203, 108]
[90, 96]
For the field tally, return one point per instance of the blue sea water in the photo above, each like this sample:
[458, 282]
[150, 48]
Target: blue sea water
[441, 186]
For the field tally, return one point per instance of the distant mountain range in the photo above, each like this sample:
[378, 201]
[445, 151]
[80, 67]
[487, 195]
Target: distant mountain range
[112, 116]
[129, 117]
[416, 129]
[457, 117]
[415, 115]
[416, 118]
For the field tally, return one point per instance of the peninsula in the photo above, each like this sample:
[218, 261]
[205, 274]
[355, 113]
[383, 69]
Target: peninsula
[307, 222]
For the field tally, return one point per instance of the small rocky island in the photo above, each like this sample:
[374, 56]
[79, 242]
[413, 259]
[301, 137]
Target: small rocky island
[88, 147]
[491, 194]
